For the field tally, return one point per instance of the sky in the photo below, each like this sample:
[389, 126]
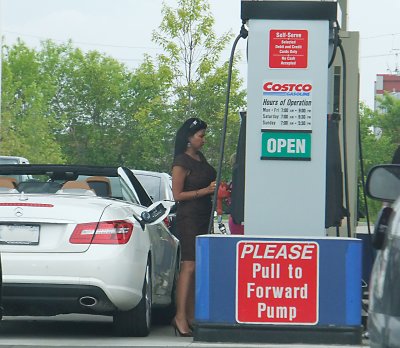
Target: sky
[123, 29]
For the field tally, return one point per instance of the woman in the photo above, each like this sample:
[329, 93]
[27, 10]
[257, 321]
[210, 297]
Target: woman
[193, 184]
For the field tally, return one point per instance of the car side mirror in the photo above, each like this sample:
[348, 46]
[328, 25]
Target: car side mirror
[156, 212]
[381, 227]
[383, 182]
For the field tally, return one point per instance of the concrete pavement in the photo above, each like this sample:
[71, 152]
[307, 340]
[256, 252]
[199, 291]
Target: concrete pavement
[96, 331]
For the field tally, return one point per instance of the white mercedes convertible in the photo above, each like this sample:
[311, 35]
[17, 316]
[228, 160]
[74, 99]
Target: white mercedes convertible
[85, 239]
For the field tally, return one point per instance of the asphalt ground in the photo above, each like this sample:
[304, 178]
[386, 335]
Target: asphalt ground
[96, 331]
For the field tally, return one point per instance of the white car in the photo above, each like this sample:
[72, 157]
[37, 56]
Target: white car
[13, 160]
[79, 239]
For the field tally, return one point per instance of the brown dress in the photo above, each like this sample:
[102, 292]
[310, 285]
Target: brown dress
[193, 216]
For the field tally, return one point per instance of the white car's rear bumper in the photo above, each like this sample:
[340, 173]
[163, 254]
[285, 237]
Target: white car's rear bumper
[114, 273]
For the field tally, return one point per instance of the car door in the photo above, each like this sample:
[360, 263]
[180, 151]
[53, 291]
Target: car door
[164, 255]
[162, 244]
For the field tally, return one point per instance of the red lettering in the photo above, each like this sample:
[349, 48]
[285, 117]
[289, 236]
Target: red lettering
[287, 87]
[278, 251]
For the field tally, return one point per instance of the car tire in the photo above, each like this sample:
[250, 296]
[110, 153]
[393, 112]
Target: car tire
[137, 321]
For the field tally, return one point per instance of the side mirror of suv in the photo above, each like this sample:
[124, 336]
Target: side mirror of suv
[383, 182]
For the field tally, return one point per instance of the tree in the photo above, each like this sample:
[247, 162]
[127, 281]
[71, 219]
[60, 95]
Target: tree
[153, 137]
[376, 150]
[94, 104]
[103, 109]
[61, 104]
[388, 119]
[192, 51]
[26, 93]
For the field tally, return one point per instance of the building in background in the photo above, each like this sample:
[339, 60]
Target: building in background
[387, 83]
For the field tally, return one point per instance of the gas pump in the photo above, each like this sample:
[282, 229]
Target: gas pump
[286, 140]
[285, 281]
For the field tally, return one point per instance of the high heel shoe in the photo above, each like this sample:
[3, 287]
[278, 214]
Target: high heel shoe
[191, 325]
[177, 331]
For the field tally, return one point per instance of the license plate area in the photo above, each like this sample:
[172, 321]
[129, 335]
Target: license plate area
[17, 234]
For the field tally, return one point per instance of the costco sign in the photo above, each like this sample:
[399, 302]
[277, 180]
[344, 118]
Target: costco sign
[277, 282]
[287, 87]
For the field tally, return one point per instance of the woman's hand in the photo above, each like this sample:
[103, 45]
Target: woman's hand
[211, 188]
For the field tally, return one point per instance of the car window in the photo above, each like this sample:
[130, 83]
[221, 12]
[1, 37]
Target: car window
[141, 194]
[13, 160]
[127, 194]
[118, 187]
[8, 161]
[19, 178]
[152, 185]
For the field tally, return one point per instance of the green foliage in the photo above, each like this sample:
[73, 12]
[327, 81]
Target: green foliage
[63, 105]
[190, 44]
[25, 96]
[152, 141]
[389, 118]
[193, 52]
[378, 149]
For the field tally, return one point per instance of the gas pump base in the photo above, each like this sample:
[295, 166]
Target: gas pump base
[253, 289]
[241, 333]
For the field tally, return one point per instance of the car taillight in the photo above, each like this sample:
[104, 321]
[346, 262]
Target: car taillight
[105, 232]
[167, 222]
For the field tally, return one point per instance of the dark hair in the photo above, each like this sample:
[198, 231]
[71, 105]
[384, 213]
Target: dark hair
[190, 127]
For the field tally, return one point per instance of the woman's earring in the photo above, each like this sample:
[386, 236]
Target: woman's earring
[189, 144]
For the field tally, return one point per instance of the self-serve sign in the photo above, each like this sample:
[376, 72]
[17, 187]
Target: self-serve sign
[286, 145]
